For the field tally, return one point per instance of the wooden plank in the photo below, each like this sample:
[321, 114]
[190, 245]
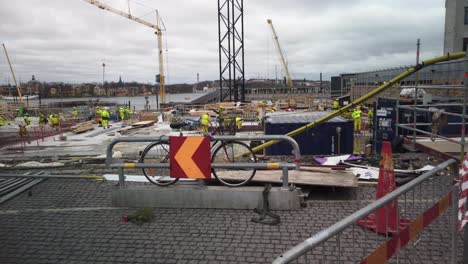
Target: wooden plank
[335, 178]
[144, 123]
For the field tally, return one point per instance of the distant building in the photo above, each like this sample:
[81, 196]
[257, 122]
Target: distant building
[456, 26]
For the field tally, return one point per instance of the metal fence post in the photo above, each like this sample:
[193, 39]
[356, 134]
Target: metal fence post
[465, 243]
[454, 231]
[121, 178]
[285, 178]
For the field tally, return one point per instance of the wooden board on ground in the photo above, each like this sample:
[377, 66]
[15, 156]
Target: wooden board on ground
[83, 127]
[441, 145]
[143, 123]
[333, 178]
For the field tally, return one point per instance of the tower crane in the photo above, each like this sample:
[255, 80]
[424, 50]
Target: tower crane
[18, 89]
[280, 52]
[157, 27]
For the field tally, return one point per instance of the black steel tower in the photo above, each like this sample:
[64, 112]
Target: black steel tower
[231, 50]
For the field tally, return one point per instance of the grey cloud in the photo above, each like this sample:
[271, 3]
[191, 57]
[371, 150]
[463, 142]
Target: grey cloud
[67, 40]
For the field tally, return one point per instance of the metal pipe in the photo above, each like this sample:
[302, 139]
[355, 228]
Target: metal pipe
[378, 90]
[432, 111]
[260, 166]
[435, 87]
[296, 150]
[285, 178]
[341, 225]
[428, 133]
[416, 81]
[121, 178]
[427, 124]
[19, 190]
[465, 97]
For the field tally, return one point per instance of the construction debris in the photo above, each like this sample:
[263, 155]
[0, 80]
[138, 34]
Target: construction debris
[36, 164]
[83, 127]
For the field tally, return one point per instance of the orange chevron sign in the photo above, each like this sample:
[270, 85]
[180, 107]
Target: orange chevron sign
[190, 157]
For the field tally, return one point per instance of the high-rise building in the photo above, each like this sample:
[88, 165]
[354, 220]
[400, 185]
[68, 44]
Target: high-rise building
[456, 26]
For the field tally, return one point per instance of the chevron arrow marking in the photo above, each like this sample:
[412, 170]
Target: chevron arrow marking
[184, 157]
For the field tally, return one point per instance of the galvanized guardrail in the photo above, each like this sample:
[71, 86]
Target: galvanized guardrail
[284, 166]
[355, 244]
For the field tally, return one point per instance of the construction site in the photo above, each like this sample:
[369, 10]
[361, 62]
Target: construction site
[365, 167]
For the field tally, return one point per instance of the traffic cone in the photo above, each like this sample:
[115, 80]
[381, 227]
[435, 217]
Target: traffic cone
[387, 219]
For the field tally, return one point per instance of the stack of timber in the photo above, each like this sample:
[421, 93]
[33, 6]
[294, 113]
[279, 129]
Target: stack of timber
[83, 127]
[148, 116]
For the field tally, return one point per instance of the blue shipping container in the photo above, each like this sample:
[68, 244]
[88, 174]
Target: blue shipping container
[320, 140]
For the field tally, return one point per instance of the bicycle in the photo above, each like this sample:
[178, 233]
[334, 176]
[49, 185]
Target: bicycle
[222, 152]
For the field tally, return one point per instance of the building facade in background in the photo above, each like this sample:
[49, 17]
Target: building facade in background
[456, 26]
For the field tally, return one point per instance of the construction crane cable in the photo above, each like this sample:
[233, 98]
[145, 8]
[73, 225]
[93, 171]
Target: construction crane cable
[376, 91]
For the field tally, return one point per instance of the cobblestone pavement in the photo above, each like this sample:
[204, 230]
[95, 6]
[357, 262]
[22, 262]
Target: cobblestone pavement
[72, 221]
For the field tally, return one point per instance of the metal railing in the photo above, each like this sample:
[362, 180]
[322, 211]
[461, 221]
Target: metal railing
[416, 107]
[284, 166]
[349, 243]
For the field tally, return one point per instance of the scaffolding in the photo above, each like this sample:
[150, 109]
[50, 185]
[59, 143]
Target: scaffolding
[448, 79]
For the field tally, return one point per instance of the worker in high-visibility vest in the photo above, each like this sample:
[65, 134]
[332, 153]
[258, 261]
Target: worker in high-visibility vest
[55, 121]
[3, 121]
[220, 118]
[23, 133]
[336, 104]
[122, 113]
[205, 123]
[105, 116]
[370, 116]
[239, 122]
[357, 117]
[42, 120]
[98, 114]
[128, 113]
[27, 121]
[75, 112]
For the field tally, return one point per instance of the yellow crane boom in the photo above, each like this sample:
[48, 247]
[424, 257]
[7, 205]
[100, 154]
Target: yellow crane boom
[280, 52]
[162, 88]
[18, 89]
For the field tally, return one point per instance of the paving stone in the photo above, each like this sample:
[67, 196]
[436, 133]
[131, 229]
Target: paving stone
[79, 234]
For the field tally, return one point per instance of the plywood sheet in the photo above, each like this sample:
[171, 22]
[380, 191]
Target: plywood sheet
[332, 178]
[442, 146]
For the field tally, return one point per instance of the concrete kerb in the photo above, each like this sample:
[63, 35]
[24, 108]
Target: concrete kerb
[209, 197]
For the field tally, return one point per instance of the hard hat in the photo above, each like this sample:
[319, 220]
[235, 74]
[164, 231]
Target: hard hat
[74, 107]
[26, 114]
[97, 106]
[106, 108]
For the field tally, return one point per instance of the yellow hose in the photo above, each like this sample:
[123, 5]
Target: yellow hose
[364, 98]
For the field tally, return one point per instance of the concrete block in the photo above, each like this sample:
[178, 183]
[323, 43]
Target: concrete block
[180, 196]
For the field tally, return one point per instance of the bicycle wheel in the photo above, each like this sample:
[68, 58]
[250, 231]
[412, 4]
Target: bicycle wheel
[157, 153]
[234, 152]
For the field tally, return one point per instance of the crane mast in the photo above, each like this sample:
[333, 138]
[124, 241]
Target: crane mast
[283, 61]
[157, 27]
[13, 73]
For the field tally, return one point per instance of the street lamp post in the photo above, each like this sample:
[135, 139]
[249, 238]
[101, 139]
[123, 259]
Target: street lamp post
[103, 74]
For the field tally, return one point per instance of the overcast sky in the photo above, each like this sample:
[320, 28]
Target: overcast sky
[68, 40]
